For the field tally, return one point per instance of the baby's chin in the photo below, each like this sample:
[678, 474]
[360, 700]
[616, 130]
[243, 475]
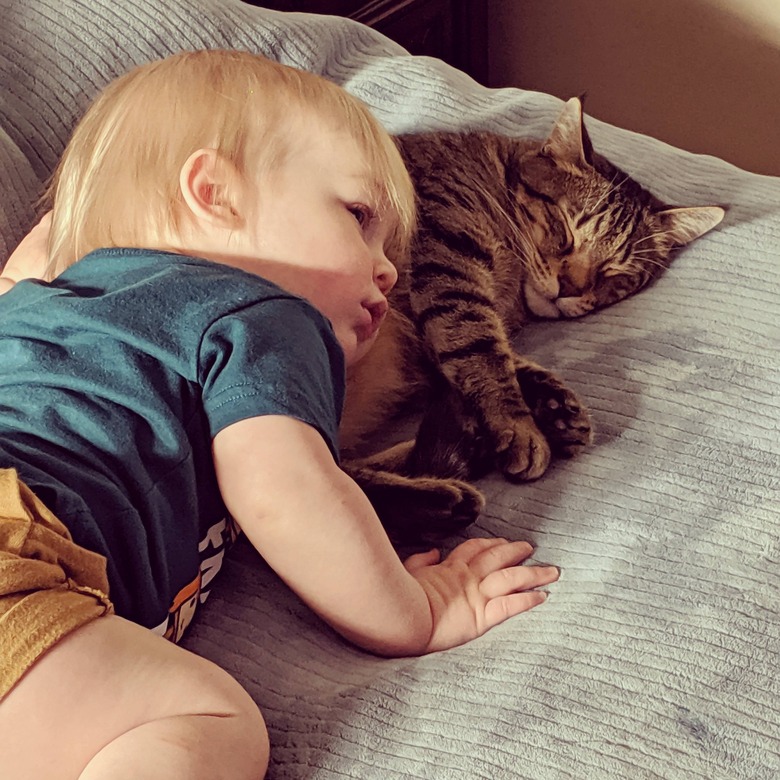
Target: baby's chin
[358, 348]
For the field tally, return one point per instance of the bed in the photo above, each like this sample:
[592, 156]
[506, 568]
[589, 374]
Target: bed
[657, 654]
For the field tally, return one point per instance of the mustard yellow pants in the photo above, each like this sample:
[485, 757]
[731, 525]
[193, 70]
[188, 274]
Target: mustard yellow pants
[49, 585]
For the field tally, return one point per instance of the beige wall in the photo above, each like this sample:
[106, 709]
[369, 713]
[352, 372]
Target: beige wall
[700, 74]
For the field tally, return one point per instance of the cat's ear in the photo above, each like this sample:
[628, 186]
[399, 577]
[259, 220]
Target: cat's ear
[686, 224]
[569, 139]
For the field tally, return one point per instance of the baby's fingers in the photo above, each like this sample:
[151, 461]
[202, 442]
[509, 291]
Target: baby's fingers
[499, 556]
[420, 560]
[504, 607]
[517, 578]
[472, 548]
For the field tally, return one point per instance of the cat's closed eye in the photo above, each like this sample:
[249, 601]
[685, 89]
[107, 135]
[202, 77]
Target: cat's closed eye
[561, 237]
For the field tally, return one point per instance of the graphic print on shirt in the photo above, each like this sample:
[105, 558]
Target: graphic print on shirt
[211, 550]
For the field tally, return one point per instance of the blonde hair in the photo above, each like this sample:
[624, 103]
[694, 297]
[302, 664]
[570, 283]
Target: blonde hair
[118, 181]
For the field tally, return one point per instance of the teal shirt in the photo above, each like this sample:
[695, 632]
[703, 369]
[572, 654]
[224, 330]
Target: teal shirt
[114, 379]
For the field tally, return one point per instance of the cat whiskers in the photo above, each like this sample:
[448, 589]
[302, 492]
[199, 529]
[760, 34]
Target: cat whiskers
[643, 258]
[595, 207]
[660, 234]
[526, 247]
[533, 260]
[646, 252]
[527, 250]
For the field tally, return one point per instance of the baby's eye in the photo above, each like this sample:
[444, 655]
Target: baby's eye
[363, 214]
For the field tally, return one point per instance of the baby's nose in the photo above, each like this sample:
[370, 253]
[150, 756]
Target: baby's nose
[386, 275]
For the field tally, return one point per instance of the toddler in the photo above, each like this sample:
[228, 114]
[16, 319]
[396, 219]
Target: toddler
[219, 253]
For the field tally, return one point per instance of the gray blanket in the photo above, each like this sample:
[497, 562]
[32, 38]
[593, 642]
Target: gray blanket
[656, 655]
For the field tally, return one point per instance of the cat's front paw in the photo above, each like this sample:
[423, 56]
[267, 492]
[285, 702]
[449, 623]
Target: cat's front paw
[426, 507]
[522, 450]
[414, 508]
[558, 413]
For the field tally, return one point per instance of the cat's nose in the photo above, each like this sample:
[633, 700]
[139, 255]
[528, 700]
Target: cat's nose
[574, 275]
[568, 287]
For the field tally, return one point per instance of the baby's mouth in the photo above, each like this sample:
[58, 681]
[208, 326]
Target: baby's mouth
[377, 311]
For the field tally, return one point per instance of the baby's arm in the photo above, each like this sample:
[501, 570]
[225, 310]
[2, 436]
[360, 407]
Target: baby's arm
[30, 258]
[317, 530]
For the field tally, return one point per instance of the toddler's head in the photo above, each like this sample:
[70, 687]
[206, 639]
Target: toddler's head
[118, 183]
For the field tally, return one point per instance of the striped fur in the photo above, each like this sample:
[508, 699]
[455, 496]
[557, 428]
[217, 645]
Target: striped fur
[509, 230]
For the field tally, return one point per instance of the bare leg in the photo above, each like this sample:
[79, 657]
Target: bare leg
[112, 700]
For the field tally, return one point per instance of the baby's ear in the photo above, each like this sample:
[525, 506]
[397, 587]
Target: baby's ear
[209, 185]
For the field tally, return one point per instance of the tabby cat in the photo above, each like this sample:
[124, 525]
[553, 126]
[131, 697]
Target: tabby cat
[509, 229]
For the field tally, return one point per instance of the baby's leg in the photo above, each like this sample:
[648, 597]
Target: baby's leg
[112, 700]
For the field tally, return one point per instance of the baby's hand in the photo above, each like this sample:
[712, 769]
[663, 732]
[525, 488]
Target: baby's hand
[30, 258]
[477, 586]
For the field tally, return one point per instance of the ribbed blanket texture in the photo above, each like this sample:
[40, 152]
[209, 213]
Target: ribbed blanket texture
[657, 655]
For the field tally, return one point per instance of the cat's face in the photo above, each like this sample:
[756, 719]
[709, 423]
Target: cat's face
[596, 235]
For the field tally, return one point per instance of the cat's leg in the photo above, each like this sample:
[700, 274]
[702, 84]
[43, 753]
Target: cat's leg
[412, 508]
[558, 413]
[450, 441]
[472, 350]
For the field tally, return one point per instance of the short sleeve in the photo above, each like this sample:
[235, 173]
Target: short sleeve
[278, 356]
